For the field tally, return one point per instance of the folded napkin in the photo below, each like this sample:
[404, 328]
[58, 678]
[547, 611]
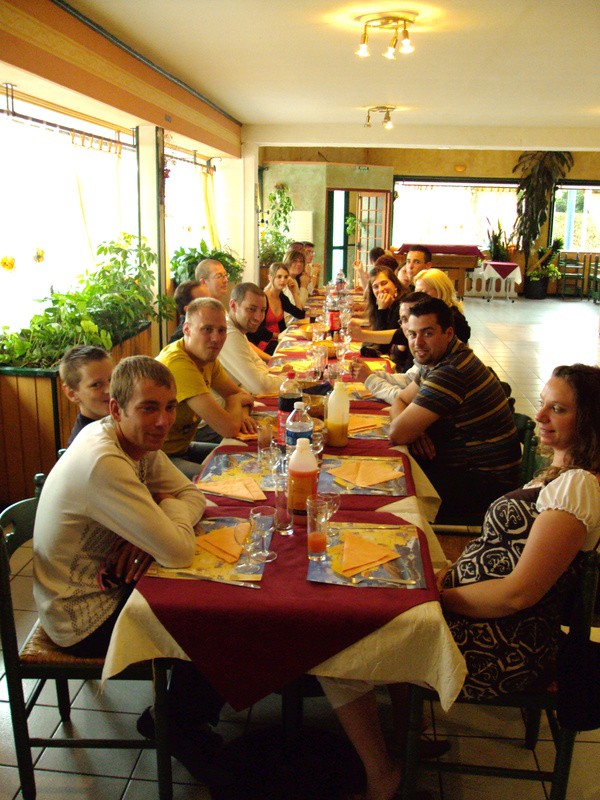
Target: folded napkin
[365, 422]
[360, 554]
[239, 488]
[222, 544]
[365, 473]
[247, 437]
[358, 389]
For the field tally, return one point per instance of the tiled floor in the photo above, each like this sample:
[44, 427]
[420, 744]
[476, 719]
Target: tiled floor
[523, 342]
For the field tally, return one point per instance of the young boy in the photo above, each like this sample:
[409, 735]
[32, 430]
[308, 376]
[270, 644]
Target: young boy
[85, 372]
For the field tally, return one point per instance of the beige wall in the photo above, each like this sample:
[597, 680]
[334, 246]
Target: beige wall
[438, 163]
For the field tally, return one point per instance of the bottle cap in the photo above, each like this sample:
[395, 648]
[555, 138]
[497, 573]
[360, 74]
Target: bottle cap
[302, 443]
[299, 404]
[290, 374]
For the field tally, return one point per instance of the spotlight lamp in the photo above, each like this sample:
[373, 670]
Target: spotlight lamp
[406, 46]
[395, 22]
[363, 48]
[387, 118]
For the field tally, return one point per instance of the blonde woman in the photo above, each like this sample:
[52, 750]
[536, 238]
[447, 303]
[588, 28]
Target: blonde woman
[436, 283]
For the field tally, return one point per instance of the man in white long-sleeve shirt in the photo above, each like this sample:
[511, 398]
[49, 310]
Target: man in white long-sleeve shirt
[247, 306]
[111, 505]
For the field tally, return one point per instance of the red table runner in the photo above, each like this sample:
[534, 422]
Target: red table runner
[251, 643]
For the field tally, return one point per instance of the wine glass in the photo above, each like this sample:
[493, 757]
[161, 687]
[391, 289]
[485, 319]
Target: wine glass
[242, 533]
[332, 502]
[262, 523]
[317, 444]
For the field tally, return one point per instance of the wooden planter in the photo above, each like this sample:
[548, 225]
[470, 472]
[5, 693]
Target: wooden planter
[36, 419]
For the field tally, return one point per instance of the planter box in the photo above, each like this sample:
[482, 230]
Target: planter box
[535, 290]
[36, 419]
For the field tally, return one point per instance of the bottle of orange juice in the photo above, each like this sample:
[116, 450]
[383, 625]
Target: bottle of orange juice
[338, 416]
[303, 473]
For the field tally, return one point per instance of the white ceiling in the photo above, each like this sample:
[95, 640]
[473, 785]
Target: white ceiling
[485, 73]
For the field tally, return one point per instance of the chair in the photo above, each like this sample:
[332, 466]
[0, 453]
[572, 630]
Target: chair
[593, 290]
[526, 430]
[42, 660]
[532, 702]
[571, 276]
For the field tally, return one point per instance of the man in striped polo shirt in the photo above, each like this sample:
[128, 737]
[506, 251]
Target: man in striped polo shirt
[455, 416]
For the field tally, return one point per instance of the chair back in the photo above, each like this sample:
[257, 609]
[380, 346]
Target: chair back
[16, 528]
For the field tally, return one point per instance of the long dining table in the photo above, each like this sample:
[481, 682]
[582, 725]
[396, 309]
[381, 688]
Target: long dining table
[250, 643]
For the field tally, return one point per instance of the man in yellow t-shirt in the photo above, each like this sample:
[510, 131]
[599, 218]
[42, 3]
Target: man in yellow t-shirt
[198, 374]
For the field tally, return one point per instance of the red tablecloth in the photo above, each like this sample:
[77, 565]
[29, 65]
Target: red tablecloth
[502, 268]
[251, 643]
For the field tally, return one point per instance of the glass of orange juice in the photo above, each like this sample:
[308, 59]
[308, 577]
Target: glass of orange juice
[316, 528]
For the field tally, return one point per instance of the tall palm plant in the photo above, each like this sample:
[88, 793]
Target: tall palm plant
[539, 172]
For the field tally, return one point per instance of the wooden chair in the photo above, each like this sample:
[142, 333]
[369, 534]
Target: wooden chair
[42, 660]
[571, 276]
[593, 290]
[532, 702]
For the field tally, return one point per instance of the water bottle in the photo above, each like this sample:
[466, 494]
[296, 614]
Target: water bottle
[340, 281]
[289, 393]
[338, 414]
[298, 425]
[303, 475]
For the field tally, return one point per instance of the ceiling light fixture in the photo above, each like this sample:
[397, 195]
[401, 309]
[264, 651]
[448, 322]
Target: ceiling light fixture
[406, 46]
[387, 118]
[363, 48]
[387, 22]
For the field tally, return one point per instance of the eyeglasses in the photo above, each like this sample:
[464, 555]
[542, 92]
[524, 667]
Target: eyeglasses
[222, 276]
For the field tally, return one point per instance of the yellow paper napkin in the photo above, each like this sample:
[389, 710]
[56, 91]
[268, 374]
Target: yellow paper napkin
[364, 422]
[221, 543]
[240, 488]
[360, 554]
[365, 473]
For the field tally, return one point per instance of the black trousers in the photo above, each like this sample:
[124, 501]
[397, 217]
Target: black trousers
[191, 699]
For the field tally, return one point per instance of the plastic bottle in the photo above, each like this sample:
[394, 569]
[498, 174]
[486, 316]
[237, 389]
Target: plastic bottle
[338, 415]
[298, 424]
[340, 281]
[303, 473]
[332, 316]
[289, 393]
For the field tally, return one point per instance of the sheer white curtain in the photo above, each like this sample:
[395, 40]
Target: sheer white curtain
[189, 206]
[433, 213]
[59, 198]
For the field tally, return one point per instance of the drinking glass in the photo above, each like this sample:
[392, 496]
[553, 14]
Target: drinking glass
[332, 502]
[283, 517]
[242, 533]
[316, 528]
[262, 523]
[264, 439]
[317, 444]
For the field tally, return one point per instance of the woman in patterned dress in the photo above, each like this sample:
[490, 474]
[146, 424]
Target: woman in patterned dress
[503, 596]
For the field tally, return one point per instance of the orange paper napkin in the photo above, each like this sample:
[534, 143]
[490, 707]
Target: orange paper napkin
[365, 473]
[222, 544]
[365, 422]
[240, 488]
[360, 554]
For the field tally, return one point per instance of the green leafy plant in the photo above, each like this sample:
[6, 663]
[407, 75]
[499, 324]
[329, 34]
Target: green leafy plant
[106, 307]
[498, 243]
[539, 172]
[545, 266]
[274, 240]
[185, 261]
[353, 224]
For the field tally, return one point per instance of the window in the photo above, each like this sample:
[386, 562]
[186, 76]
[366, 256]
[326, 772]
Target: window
[64, 193]
[451, 212]
[576, 216]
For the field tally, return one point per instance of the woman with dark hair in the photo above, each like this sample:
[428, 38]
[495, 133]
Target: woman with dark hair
[278, 304]
[384, 295]
[504, 595]
[299, 286]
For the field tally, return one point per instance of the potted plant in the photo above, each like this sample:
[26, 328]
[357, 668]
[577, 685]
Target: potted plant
[539, 172]
[185, 261]
[274, 240]
[542, 271]
[499, 243]
[110, 307]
